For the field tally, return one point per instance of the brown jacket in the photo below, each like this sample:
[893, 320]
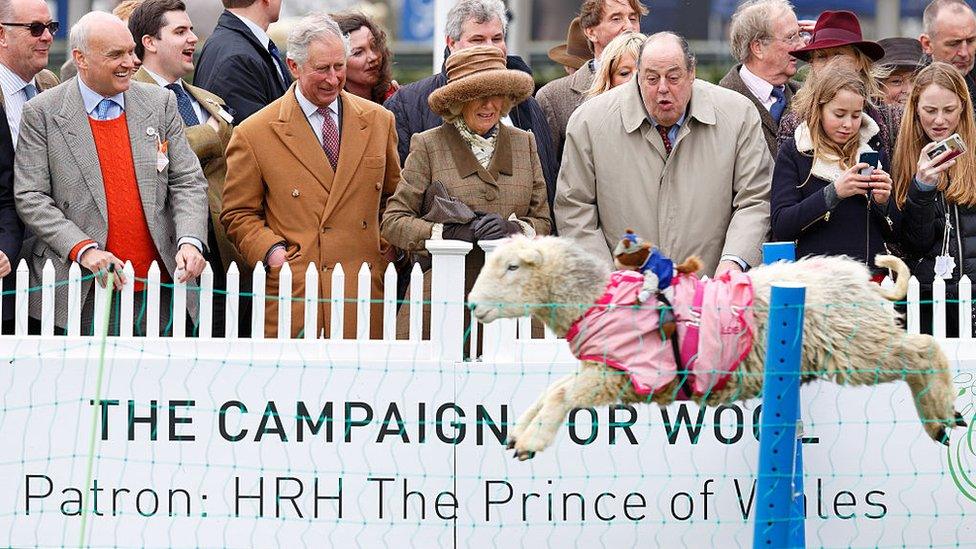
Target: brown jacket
[209, 146]
[733, 81]
[512, 184]
[560, 98]
[281, 188]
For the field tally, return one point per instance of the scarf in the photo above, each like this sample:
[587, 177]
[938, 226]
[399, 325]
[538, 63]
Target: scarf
[482, 147]
[828, 167]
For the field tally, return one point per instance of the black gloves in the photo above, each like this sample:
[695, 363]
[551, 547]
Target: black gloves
[493, 227]
[459, 231]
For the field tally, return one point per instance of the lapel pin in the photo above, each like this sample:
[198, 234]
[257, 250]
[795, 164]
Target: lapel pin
[151, 131]
[295, 193]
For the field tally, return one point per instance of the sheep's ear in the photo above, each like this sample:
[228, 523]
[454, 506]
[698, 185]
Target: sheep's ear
[530, 256]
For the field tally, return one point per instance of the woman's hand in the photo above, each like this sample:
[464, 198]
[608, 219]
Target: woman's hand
[880, 187]
[929, 171]
[851, 182]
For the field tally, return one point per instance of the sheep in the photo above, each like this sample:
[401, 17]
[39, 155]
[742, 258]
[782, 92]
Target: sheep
[851, 334]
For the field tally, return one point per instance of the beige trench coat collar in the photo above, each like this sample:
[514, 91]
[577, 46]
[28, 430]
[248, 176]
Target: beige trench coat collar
[633, 113]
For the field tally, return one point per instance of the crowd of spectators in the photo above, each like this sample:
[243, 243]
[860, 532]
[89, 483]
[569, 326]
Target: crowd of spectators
[319, 157]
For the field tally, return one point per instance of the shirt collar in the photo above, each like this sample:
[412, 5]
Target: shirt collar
[10, 83]
[677, 124]
[93, 98]
[310, 108]
[257, 31]
[757, 86]
[162, 81]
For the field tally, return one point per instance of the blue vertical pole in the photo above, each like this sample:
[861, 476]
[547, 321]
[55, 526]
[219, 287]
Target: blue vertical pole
[62, 17]
[780, 505]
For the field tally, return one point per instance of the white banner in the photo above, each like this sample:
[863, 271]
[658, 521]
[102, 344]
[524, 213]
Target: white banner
[195, 446]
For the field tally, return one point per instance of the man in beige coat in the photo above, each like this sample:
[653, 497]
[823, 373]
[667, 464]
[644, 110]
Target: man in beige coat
[681, 161]
[601, 21]
[307, 179]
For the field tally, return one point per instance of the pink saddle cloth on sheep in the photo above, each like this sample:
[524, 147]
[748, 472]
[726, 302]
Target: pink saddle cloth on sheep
[715, 329]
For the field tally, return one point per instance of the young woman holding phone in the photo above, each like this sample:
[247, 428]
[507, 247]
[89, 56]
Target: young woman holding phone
[831, 188]
[937, 195]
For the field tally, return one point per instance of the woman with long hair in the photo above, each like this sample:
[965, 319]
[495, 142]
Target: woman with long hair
[369, 68]
[824, 196]
[937, 195]
[618, 63]
[837, 38]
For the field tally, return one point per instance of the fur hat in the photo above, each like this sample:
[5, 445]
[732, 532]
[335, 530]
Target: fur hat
[477, 72]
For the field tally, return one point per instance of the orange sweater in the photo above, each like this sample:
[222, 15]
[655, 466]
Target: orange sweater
[128, 232]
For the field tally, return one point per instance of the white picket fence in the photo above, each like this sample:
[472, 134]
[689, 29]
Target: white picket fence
[507, 340]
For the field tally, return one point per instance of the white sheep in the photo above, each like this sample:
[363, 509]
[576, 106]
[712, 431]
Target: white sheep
[851, 334]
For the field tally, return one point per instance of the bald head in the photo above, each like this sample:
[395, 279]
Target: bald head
[21, 52]
[666, 74]
[950, 33]
[103, 50]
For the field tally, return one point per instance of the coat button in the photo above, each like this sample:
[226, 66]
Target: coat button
[295, 193]
[491, 195]
[325, 229]
[364, 223]
[379, 186]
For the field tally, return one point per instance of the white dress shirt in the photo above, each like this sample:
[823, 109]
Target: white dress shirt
[759, 88]
[315, 120]
[202, 114]
[14, 98]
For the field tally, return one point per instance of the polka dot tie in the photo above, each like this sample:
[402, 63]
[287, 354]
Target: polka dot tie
[664, 137]
[330, 137]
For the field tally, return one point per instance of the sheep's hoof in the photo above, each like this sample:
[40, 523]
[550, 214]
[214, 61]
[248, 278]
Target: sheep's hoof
[941, 435]
[960, 422]
[523, 455]
[511, 444]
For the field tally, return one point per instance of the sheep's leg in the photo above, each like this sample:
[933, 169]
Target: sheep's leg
[528, 417]
[593, 385]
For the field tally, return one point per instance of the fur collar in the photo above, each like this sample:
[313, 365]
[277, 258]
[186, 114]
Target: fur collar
[829, 168]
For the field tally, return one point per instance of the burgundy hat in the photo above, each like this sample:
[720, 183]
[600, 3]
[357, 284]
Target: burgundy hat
[835, 29]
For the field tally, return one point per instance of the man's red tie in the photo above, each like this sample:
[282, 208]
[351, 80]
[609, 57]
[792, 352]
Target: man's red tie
[664, 137]
[330, 137]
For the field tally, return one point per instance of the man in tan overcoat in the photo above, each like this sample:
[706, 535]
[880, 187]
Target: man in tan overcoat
[308, 177]
[681, 161]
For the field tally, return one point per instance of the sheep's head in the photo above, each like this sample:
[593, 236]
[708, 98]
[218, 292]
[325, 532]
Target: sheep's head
[511, 281]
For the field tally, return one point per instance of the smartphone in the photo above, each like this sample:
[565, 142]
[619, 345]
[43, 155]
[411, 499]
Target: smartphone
[952, 143]
[871, 159]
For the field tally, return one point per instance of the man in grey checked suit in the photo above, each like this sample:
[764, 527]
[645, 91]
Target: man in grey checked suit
[104, 174]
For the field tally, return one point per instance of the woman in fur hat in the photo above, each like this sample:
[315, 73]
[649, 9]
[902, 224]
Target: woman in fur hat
[475, 177]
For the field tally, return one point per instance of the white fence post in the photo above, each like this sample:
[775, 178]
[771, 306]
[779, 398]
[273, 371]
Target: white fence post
[389, 302]
[914, 310]
[47, 299]
[416, 303]
[126, 312]
[364, 286]
[447, 298]
[178, 318]
[939, 307]
[965, 308]
[311, 301]
[284, 301]
[205, 320]
[20, 303]
[74, 300]
[101, 295]
[499, 339]
[337, 310]
[152, 300]
[232, 301]
[258, 303]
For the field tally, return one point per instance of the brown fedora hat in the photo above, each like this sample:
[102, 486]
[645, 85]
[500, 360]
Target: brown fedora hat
[477, 72]
[575, 52]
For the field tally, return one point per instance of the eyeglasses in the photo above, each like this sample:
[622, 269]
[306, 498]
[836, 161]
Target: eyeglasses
[37, 28]
[795, 38]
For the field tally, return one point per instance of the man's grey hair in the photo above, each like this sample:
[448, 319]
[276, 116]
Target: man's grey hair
[689, 57]
[481, 11]
[82, 30]
[310, 28]
[752, 21]
[935, 8]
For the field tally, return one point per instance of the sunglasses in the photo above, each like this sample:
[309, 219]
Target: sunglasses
[36, 28]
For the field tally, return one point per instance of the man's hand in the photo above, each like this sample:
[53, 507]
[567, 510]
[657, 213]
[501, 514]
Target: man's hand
[277, 257]
[99, 262]
[725, 266]
[5, 267]
[189, 263]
